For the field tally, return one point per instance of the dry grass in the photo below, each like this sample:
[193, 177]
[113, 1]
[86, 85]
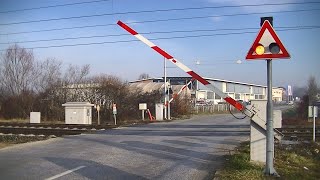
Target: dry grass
[9, 140]
[15, 120]
[300, 161]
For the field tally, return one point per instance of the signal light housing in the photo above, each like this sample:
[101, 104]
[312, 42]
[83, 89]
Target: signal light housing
[259, 49]
[274, 48]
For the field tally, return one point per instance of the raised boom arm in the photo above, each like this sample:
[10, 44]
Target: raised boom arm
[176, 95]
[228, 99]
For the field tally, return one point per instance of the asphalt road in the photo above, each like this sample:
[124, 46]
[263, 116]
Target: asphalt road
[183, 149]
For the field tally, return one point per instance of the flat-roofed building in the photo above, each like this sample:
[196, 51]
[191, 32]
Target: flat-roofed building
[237, 90]
[277, 94]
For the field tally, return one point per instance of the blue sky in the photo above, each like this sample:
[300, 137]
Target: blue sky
[217, 54]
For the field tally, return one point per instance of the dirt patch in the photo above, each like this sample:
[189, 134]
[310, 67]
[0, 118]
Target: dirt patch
[3, 145]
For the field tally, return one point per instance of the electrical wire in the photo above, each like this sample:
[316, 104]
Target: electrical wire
[159, 32]
[151, 21]
[224, 15]
[52, 6]
[58, 29]
[161, 38]
[165, 10]
[133, 12]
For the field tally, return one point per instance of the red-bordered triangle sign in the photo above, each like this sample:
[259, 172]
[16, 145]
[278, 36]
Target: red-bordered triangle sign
[265, 37]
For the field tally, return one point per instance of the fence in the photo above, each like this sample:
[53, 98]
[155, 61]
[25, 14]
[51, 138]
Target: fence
[212, 108]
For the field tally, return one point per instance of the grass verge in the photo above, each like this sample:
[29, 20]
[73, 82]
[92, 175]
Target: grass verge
[300, 161]
[9, 140]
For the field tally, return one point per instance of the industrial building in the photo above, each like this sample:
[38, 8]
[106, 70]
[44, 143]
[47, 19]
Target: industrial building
[237, 90]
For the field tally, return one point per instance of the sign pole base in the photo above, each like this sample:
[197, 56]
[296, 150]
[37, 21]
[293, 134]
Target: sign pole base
[271, 172]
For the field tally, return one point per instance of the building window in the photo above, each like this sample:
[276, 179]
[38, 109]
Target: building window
[210, 95]
[217, 96]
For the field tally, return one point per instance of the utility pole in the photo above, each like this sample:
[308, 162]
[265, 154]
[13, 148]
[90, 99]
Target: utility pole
[165, 87]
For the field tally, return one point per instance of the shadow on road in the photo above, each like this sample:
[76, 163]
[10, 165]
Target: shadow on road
[92, 169]
[189, 149]
[180, 133]
[184, 143]
[201, 126]
[189, 158]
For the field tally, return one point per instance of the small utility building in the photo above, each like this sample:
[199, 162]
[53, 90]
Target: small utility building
[78, 112]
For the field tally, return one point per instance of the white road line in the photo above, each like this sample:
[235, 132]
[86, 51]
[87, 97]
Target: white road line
[65, 173]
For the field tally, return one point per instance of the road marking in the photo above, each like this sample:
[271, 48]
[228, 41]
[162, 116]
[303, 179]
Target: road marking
[65, 173]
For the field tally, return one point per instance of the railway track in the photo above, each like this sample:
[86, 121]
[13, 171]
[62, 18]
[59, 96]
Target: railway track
[299, 133]
[50, 129]
[290, 133]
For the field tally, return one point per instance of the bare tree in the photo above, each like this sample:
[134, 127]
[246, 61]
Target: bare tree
[75, 74]
[312, 90]
[17, 70]
[74, 81]
[47, 74]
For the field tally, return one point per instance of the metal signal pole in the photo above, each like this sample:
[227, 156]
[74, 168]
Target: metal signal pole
[269, 169]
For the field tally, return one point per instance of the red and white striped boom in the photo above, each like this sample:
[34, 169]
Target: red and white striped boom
[228, 99]
[176, 95]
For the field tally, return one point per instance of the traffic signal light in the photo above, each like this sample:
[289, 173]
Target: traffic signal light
[259, 49]
[267, 44]
[273, 48]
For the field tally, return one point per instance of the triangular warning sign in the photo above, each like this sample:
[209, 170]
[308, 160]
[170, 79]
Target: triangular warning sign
[267, 38]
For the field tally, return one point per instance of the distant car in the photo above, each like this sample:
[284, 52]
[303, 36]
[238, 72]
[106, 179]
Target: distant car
[290, 103]
[243, 102]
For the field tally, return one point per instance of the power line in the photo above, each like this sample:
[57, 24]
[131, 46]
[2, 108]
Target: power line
[225, 15]
[162, 38]
[52, 6]
[59, 29]
[162, 10]
[152, 11]
[159, 20]
[159, 32]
